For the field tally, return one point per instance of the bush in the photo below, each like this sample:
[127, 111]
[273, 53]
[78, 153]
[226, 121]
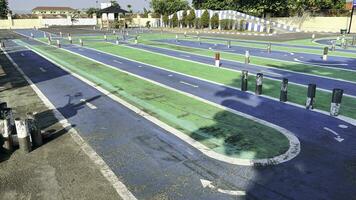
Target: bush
[191, 18]
[184, 18]
[175, 20]
[165, 20]
[215, 21]
[204, 20]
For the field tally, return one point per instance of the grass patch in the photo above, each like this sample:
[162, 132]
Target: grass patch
[222, 131]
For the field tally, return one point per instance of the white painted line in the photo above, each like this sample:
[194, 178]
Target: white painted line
[209, 184]
[91, 106]
[185, 83]
[185, 56]
[294, 144]
[81, 49]
[139, 66]
[343, 126]
[22, 54]
[170, 75]
[119, 187]
[337, 138]
[43, 70]
[116, 61]
[326, 64]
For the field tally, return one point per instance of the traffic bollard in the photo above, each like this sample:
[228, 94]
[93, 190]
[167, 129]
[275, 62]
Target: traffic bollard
[34, 130]
[259, 83]
[333, 45]
[58, 44]
[105, 37]
[199, 40]
[6, 128]
[228, 44]
[32, 36]
[336, 102]
[136, 40]
[217, 59]
[244, 80]
[60, 34]
[81, 42]
[2, 44]
[23, 135]
[247, 57]
[313, 36]
[185, 34]
[325, 53]
[269, 48]
[70, 39]
[311, 96]
[177, 38]
[284, 90]
[44, 35]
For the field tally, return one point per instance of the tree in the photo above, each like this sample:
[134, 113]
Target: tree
[129, 7]
[168, 6]
[175, 20]
[197, 4]
[4, 8]
[165, 20]
[183, 21]
[191, 18]
[204, 20]
[91, 11]
[215, 21]
[114, 3]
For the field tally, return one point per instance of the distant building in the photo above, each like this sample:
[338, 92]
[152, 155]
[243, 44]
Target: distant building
[53, 11]
[112, 13]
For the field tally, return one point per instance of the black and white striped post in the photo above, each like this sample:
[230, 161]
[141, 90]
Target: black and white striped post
[325, 53]
[247, 57]
[336, 102]
[259, 83]
[269, 48]
[34, 130]
[228, 44]
[244, 80]
[284, 90]
[23, 135]
[311, 96]
[217, 59]
[58, 43]
[6, 128]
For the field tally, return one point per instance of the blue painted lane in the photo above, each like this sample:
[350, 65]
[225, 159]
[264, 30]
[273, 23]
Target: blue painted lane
[320, 41]
[333, 61]
[303, 79]
[149, 160]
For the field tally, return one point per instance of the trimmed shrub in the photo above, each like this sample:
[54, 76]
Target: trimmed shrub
[215, 21]
[205, 19]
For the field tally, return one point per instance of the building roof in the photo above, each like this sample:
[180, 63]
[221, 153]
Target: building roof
[53, 8]
[113, 9]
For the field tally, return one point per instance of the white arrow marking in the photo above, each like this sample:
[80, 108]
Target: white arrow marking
[43, 70]
[209, 184]
[117, 61]
[337, 138]
[297, 60]
[91, 106]
[343, 126]
[189, 84]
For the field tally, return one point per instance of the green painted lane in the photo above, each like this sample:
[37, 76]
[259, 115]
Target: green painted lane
[297, 94]
[223, 132]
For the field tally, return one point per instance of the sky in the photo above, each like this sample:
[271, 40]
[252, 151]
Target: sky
[28, 5]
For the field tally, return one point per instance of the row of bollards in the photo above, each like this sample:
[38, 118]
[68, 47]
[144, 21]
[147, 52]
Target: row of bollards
[27, 131]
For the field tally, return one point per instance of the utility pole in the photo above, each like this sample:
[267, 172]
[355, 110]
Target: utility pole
[352, 14]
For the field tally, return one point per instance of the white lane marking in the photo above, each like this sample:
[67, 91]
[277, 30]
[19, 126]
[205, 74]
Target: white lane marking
[272, 73]
[22, 54]
[185, 56]
[333, 64]
[294, 144]
[119, 187]
[43, 70]
[185, 83]
[139, 66]
[338, 137]
[81, 49]
[117, 61]
[98, 53]
[292, 54]
[170, 75]
[90, 105]
[343, 126]
[209, 184]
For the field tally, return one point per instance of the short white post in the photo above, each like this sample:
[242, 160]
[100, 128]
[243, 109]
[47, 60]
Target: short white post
[58, 44]
[5, 127]
[23, 135]
[247, 57]
[217, 59]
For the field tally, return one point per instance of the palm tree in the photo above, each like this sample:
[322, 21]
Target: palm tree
[129, 7]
